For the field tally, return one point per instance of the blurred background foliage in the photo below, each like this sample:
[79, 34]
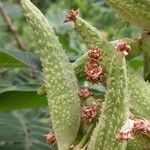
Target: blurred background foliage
[25, 129]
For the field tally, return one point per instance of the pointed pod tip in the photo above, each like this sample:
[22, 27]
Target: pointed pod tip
[25, 1]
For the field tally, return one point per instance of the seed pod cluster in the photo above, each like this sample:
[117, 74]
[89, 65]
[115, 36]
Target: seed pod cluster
[139, 96]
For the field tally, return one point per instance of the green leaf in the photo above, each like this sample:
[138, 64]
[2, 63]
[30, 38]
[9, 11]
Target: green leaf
[14, 58]
[19, 97]
[19, 131]
[137, 63]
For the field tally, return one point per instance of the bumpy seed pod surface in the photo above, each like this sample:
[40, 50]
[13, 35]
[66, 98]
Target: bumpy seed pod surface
[140, 103]
[141, 142]
[60, 81]
[92, 37]
[140, 95]
[136, 11]
[115, 109]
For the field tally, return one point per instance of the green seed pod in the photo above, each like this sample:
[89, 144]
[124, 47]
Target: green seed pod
[115, 109]
[139, 96]
[92, 37]
[141, 142]
[60, 81]
[136, 11]
[146, 48]
[85, 29]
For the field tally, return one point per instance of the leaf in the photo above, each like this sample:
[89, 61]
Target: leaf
[14, 58]
[97, 89]
[18, 131]
[137, 63]
[21, 96]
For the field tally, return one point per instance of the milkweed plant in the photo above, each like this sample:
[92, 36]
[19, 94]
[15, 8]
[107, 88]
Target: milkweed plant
[81, 121]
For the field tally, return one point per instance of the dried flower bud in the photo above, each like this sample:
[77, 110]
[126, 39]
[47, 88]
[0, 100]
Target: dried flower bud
[142, 126]
[93, 71]
[133, 126]
[89, 112]
[72, 15]
[95, 53]
[126, 131]
[124, 135]
[84, 92]
[51, 139]
[123, 47]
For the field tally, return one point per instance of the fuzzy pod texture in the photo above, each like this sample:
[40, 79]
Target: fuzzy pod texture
[140, 95]
[92, 37]
[60, 81]
[115, 109]
[140, 103]
[140, 142]
[135, 11]
[146, 48]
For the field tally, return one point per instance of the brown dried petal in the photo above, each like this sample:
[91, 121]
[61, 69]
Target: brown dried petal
[142, 126]
[72, 15]
[89, 112]
[95, 53]
[51, 139]
[133, 126]
[123, 47]
[124, 135]
[84, 92]
[93, 71]
[126, 131]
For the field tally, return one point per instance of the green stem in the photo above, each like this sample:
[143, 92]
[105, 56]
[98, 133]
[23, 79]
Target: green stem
[85, 138]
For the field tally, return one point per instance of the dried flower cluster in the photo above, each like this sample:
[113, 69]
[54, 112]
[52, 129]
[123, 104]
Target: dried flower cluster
[126, 131]
[92, 68]
[123, 47]
[72, 15]
[95, 53]
[93, 71]
[133, 126]
[89, 112]
[142, 126]
[84, 92]
[51, 139]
